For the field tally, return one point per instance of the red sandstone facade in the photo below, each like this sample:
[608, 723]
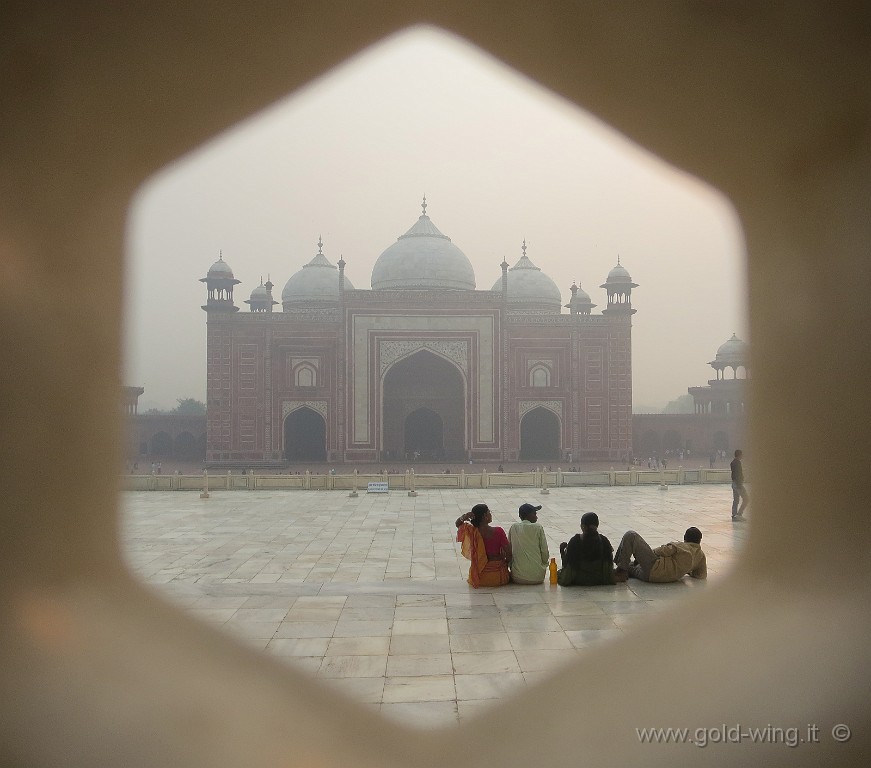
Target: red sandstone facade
[404, 369]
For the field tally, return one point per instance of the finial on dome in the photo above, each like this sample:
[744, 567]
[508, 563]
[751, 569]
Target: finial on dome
[524, 246]
[320, 246]
[220, 255]
[618, 258]
[423, 206]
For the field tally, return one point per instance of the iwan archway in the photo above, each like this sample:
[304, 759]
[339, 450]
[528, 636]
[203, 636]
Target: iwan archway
[540, 435]
[305, 436]
[423, 410]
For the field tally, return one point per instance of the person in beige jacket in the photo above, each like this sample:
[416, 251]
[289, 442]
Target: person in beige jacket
[670, 562]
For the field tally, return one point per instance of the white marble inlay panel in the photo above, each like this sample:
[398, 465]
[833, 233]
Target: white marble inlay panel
[288, 406]
[455, 350]
[552, 405]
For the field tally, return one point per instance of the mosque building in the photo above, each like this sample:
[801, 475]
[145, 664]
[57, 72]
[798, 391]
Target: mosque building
[421, 365]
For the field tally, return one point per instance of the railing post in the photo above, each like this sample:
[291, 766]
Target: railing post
[353, 494]
[205, 493]
[412, 491]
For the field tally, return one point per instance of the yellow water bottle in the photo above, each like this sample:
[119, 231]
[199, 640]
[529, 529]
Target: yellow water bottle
[552, 567]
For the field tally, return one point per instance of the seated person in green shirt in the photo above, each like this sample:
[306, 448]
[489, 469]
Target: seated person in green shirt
[587, 558]
[529, 555]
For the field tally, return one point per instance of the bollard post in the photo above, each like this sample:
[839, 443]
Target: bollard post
[205, 493]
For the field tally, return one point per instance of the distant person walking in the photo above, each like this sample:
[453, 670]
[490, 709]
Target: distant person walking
[739, 492]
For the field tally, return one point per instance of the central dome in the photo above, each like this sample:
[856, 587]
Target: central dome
[423, 258]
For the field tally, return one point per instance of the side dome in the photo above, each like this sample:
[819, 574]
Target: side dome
[220, 270]
[423, 258]
[619, 275]
[316, 281]
[259, 293]
[530, 288]
[732, 352]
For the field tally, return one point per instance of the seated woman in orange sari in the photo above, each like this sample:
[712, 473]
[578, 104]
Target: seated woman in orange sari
[486, 546]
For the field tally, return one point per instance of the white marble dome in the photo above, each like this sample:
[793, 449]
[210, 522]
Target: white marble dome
[316, 281]
[619, 275]
[732, 352]
[423, 258]
[220, 270]
[259, 293]
[528, 285]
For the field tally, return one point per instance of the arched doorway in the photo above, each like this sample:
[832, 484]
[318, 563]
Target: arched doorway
[672, 441]
[161, 445]
[424, 434]
[539, 435]
[423, 409]
[185, 446]
[305, 436]
[649, 445]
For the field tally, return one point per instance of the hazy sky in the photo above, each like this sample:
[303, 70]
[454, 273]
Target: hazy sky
[499, 158]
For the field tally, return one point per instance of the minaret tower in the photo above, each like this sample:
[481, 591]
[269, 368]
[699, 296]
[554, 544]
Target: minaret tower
[219, 281]
[619, 286]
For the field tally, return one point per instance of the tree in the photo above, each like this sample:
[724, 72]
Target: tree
[682, 404]
[188, 406]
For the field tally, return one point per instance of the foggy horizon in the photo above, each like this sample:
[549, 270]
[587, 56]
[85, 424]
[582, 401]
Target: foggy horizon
[499, 159]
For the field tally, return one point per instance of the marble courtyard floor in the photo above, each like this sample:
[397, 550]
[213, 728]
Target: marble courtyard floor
[370, 595]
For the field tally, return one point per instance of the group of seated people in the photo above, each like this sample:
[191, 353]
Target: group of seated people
[588, 559]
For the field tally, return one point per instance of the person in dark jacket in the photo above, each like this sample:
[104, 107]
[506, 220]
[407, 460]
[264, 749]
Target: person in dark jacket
[587, 558]
[739, 492]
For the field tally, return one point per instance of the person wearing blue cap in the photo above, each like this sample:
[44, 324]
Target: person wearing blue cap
[529, 555]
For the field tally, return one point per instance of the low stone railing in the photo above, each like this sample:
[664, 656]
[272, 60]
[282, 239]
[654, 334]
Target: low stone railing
[411, 482]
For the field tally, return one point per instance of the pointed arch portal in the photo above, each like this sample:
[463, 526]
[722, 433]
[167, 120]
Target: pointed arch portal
[305, 436]
[424, 409]
[540, 435]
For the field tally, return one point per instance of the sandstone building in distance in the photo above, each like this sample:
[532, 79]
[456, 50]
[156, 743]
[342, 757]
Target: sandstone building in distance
[421, 365]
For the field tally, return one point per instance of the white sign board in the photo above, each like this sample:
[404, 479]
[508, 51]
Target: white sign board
[377, 488]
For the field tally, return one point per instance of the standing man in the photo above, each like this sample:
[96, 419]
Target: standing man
[529, 555]
[739, 492]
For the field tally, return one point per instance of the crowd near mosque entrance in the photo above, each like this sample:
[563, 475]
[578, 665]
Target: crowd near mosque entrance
[423, 409]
